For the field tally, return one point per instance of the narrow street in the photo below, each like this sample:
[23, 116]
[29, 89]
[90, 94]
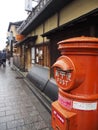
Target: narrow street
[19, 107]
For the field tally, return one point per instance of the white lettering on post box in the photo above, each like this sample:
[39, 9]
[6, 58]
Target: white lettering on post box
[59, 116]
[63, 77]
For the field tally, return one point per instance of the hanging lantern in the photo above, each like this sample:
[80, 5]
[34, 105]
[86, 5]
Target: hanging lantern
[19, 37]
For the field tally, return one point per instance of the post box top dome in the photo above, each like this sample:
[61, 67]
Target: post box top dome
[80, 39]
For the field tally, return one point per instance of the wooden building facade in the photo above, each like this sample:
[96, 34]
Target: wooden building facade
[50, 22]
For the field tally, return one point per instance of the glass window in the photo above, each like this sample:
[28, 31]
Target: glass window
[40, 55]
[33, 55]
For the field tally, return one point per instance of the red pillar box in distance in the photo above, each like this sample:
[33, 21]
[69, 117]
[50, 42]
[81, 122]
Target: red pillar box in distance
[76, 74]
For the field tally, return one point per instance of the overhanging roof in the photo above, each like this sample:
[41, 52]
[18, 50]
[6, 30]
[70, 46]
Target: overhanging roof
[88, 16]
[18, 23]
[51, 8]
[27, 40]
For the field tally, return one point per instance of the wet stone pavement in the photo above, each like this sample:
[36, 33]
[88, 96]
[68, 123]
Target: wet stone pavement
[19, 107]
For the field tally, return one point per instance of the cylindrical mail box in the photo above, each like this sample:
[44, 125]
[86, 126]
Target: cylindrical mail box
[76, 74]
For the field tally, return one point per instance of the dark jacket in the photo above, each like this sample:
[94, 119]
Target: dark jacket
[0, 55]
[3, 55]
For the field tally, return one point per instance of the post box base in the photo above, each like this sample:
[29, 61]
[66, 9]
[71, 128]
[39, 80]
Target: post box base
[62, 119]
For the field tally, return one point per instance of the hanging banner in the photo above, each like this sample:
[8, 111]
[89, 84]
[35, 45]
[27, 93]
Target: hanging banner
[28, 5]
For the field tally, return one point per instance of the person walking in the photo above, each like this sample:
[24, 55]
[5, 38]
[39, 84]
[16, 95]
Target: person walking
[0, 58]
[3, 57]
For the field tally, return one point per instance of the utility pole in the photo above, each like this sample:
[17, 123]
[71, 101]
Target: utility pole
[11, 47]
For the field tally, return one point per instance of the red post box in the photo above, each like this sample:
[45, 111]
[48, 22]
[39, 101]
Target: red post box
[76, 74]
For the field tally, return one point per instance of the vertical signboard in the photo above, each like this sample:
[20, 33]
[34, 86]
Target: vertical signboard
[28, 5]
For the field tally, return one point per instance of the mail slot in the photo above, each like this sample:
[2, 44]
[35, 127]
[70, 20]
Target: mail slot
[64, 73]
[76, 75]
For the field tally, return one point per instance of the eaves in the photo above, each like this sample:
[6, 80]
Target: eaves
[86, 17]
[47, 11]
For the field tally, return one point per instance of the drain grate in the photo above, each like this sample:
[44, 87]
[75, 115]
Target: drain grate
[19, 77]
